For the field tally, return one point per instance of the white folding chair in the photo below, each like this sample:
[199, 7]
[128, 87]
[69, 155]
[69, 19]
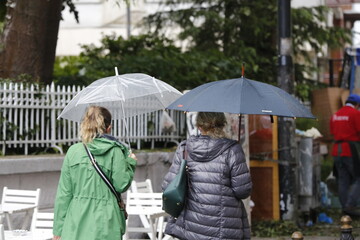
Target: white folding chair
[146, 187]
[142, 187]
[42, 225]
[149, 205]
[2, 235]
[15, 200]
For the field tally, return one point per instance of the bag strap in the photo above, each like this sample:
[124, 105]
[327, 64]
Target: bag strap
[102, 174]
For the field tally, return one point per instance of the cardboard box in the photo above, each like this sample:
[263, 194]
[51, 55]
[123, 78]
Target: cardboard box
[325, 102]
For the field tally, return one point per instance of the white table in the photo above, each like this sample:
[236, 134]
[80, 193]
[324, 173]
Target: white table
[6, 212]
[9, 235]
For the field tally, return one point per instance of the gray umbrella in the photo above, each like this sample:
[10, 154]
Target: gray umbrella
[241, 96]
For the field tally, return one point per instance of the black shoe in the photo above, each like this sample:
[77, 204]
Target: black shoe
[352, 211]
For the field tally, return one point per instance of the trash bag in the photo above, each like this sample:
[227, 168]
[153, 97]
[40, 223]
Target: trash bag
[167, 124]
[332, 184]
[323, 218]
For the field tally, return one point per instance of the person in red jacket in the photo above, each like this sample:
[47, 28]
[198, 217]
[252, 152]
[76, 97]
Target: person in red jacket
[345, 127]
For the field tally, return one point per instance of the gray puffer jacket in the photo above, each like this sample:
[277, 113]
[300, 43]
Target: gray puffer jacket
[218, 179]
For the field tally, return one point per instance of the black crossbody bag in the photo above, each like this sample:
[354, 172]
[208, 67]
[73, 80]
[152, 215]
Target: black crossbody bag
[107, 182]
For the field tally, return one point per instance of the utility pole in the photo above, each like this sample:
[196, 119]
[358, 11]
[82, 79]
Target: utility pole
[128, 20]
[286, 126]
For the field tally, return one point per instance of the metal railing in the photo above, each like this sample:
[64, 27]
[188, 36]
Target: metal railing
[28, 118]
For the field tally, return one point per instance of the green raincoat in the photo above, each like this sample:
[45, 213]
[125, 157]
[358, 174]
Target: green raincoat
[85, 208]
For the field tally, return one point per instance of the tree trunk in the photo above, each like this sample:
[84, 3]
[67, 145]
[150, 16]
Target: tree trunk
[28, 42]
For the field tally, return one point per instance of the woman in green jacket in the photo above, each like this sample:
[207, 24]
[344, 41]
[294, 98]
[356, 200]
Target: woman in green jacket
[85, 208]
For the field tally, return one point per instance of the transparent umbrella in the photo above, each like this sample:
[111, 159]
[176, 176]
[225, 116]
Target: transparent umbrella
[124, 96]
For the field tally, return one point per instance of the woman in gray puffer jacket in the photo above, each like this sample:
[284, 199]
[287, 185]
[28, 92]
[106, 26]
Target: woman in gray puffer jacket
[218, 180]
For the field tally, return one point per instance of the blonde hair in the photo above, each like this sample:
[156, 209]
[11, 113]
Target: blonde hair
[94, 123]
[212, 123]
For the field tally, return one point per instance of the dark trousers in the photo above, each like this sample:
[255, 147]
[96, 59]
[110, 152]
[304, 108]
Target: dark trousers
[348, 183]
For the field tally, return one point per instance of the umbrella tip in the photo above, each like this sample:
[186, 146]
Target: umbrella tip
[242, 69]
[116, 71]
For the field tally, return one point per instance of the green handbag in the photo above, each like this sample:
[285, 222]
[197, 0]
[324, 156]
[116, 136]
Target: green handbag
[175, 193]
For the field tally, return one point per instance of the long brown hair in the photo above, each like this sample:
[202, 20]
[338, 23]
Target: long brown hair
[212, 123]
[95, 122]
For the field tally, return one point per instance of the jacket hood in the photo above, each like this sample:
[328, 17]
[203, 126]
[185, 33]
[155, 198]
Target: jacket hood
[204, 148]
[101, 145]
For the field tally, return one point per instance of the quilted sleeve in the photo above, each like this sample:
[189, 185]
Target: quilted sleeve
[241, 183]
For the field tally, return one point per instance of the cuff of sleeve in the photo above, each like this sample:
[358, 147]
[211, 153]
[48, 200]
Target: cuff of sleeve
[131, 161]
[56, 232]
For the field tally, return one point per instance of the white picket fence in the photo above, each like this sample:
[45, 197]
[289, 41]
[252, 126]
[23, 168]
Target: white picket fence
[28, 118]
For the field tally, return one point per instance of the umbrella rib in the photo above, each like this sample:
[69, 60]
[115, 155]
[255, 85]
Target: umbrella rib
[168, 87]
[198, 95]
[241, 94]
[251, 84]
[287, 103]
[121, 90]
[156, 85]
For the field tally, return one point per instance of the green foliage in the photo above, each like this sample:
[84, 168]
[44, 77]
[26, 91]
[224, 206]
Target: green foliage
[304, 87]
[306, 123]
[2, 15]
[235, 29]
[273, 228]
[68, 71]
[326, 166]
[22, 78]
[216, 38]
[232, 28]
[156, 56]
[284, 229]
[309, 26]
[10, 128]
[310, 29]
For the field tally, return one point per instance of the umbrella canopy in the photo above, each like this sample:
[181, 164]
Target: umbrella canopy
[123, 95]
[241, 96]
